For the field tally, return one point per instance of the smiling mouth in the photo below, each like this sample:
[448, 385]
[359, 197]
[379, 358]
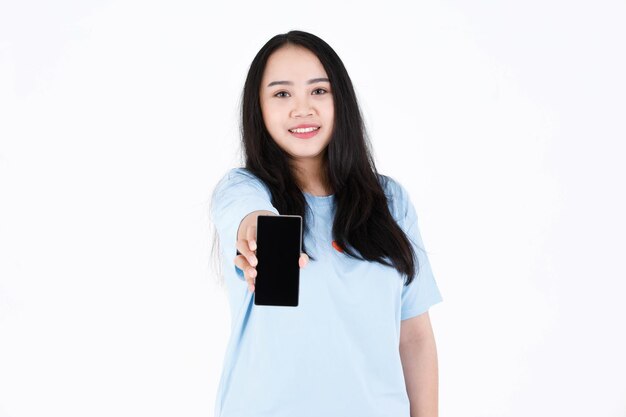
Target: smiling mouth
[304, 129]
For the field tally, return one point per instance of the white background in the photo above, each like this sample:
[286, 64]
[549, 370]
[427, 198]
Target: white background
[505, 121]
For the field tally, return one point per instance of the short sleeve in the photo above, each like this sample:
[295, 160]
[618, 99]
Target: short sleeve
[422, 292]
[236, 195]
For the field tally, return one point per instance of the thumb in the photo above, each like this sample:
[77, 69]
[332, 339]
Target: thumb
[304, 259]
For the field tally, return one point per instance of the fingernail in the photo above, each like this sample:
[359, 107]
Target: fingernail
[253, 244]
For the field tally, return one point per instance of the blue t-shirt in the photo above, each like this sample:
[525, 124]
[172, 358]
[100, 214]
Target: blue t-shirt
[337, 353]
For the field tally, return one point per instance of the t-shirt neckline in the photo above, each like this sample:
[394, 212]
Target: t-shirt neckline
[320, 199]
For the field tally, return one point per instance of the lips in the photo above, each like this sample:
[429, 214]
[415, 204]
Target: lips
[304, 126]
[305, 132]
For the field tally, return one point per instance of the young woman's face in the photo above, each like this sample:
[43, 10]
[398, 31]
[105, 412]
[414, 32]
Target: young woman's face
[295, 93]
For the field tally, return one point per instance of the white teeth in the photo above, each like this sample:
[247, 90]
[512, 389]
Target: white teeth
[303, 130]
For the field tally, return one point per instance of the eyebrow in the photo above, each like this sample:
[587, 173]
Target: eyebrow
[311, 81]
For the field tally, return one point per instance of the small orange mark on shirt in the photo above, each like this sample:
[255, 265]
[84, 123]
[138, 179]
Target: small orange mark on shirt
[337, 247]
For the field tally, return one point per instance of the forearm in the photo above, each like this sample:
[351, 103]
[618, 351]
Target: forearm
[419, 364]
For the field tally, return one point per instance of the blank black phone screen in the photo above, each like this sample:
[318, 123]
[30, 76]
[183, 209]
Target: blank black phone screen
[279, 243]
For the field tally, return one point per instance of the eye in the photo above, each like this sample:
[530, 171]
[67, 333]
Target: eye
[280, 92]
[320, 89]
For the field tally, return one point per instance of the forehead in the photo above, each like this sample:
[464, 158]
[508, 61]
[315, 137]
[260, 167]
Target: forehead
[292, 63]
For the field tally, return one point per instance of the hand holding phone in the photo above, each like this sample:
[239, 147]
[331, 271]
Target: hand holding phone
[279, 247]
[246, 259]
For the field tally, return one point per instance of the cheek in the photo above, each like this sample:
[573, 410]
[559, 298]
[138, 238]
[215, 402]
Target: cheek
[272, 122]
[269, 117]
[330, 115]
[330, 109]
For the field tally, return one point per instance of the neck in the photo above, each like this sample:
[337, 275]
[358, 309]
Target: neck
[312, 178]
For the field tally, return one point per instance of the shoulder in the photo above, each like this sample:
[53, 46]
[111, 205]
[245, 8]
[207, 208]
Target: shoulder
[397, 195]
[238, 174]
[237, 184]
[240, 178]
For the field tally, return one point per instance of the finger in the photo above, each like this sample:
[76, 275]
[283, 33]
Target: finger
[304, 260]
[251, 236]
[249, 272]
[241, 262]
[251, 280]
[244, 249]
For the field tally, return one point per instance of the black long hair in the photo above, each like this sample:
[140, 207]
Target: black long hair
[363, 222]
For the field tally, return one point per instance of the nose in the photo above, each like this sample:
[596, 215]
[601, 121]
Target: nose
[302, 108]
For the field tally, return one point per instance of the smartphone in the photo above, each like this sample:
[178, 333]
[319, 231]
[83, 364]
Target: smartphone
[279, 243]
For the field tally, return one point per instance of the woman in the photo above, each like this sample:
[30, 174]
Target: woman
[360, 342]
